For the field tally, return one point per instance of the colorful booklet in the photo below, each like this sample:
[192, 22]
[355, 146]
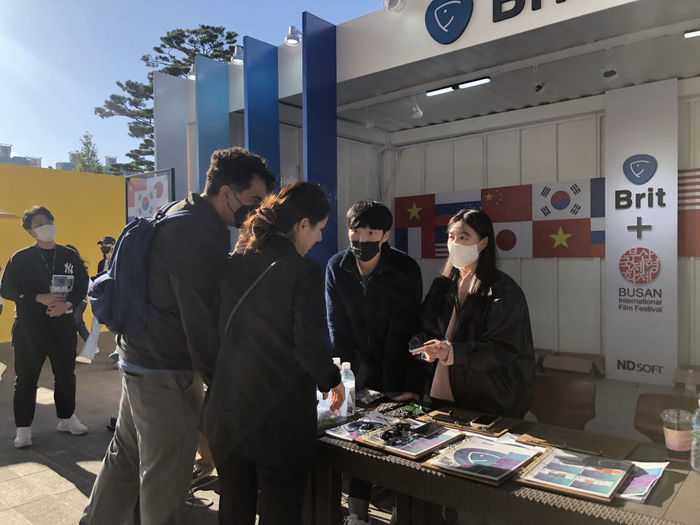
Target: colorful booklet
[641, 481]
[407, 444]
[592, 477]
[484, 459]
[369, 423]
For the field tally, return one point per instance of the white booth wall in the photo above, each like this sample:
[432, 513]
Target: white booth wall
[557, 142]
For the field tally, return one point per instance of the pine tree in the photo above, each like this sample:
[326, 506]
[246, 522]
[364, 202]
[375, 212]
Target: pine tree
[174, 56]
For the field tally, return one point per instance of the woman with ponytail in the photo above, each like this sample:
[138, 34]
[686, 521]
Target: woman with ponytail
[260, 410]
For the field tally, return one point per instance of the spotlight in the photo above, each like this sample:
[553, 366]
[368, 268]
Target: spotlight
[692, 34]
[293, 38]
[538, 85]
[609, 71]
[369, 123]
[416, 112]
[191, 74]
[395, 5]
[237, 57]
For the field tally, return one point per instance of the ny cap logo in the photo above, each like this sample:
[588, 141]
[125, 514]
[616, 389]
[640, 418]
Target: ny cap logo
[446, 20]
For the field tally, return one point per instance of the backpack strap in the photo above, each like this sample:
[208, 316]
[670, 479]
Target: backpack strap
[243, 297]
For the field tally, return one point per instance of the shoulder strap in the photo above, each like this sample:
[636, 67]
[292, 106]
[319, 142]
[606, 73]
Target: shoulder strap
[243, 297]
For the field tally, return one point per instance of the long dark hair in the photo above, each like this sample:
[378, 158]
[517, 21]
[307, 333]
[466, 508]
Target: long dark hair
[279, 213]
[486, 270]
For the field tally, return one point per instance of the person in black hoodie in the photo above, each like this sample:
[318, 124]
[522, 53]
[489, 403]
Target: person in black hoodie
[45, 280]
[259, 414]
[478, 316]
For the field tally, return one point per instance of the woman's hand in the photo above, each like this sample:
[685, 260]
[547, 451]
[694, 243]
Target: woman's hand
[436, 349]
[337, 396]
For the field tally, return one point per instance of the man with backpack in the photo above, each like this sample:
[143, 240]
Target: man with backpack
[147, 470]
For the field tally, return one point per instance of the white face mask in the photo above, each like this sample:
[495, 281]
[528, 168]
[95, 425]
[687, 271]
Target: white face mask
[461, 255]
[46, 233]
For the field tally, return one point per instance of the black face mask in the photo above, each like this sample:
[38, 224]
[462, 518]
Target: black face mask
[105, 249]
[364, 251]
[240, 215]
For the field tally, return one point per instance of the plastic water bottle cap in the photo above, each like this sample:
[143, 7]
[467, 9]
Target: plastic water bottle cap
[346, 365]
[336, 360]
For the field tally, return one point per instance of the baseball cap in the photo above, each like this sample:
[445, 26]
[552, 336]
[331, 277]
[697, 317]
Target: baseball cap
[107, 240]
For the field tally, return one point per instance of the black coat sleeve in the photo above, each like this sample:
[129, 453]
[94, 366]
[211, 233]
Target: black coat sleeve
[507, 336]
[403, 324]
[309, 330]
[431, 314]
[11, 286]
[339, 327]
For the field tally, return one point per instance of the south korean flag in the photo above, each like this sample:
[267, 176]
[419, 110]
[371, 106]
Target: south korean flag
[561, 200]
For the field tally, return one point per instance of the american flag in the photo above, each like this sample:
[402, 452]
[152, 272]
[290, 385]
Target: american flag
[441, 242]
[689, 190]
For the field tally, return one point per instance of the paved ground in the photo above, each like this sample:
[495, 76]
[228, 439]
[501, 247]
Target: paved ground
[48, 483]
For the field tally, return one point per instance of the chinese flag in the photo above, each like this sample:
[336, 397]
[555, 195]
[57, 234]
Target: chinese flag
[508, 204]
[689, 233]
[415, 212]
[563, 238]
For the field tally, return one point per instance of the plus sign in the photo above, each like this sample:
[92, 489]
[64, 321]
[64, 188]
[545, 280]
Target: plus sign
[639, 228]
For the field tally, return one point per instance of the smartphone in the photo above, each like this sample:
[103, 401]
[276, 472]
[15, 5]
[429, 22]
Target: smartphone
[426, 430]
[485, 421]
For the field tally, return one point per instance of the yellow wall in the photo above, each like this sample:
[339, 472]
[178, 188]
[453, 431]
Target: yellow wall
[86, 207]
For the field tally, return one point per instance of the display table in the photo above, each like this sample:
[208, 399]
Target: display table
[675, 499]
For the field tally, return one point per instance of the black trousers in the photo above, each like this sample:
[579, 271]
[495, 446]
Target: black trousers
[32, 344]
[244, 481]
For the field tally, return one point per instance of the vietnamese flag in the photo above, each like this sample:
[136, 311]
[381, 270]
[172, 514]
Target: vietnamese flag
[562, 238]
[508, 204]
[418, 212]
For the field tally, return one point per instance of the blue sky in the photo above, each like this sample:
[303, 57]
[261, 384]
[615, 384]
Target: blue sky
[59, 60]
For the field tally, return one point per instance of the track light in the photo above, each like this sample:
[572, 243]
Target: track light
[191, 74]
[395, 5]
[293, 38]
[237, 57]
[538, 85]
[693, 34]
[463, 85]
[416, 112]
[369, 123]
[609, 71]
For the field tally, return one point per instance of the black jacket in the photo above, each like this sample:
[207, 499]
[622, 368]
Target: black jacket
[185, 264]
[262, 400]
[494, 360]
[378, 321]
[26, 276]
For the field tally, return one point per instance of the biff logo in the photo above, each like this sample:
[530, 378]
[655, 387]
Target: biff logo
[631, 366]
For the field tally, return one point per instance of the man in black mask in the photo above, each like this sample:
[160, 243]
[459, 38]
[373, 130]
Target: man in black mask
[373, 300]
[147, 471]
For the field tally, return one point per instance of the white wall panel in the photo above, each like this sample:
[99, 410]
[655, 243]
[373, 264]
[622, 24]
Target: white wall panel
[409, 179]
[539, 284]
[579, 305]
[538, 149]
[577, 149]
[438, 167]
[469, 163]
[512, 268]
[503, 159]
[290, 155]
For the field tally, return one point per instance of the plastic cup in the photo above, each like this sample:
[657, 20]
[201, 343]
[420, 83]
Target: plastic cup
[677, 432]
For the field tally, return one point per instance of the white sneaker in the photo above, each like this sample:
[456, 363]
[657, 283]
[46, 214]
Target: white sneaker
[72, 425]
[24, 437]
[97, 350]
[352, 519]
[84, 360]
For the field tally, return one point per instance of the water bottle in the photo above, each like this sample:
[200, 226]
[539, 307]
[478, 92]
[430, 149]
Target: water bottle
[690, 388]
[695, 443]
[349, 381]
[336, 362]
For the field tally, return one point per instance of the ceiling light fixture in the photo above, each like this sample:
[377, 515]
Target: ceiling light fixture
[538, 85]
[440, 91]
[416, 112]
[474, 83]
[237, 57]
[368, 122]
[609, 71]
[693, 34]
[395, 5]
[293, 38]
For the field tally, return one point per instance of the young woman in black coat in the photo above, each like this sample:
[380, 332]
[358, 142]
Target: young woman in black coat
[485, 361]
[260, 411]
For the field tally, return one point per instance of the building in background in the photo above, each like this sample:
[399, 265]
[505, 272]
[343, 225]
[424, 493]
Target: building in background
[7, 158]
[108, 162]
